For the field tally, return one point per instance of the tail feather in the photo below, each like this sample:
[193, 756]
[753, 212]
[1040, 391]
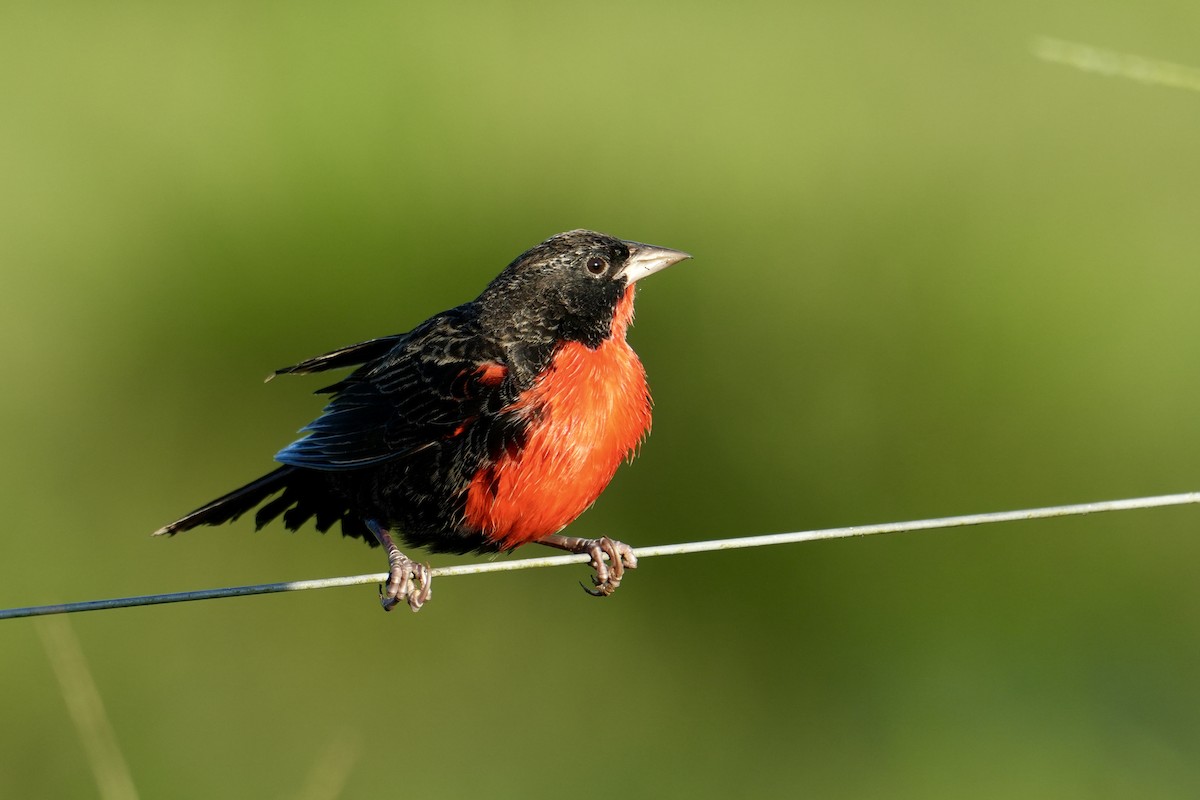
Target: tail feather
[303, 495]
[231, 506]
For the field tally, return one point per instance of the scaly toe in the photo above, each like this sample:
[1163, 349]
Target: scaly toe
[616, 566]
[421, 574]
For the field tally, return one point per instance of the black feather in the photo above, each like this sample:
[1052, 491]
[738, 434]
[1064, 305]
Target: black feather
[425, 412]
[343, 357]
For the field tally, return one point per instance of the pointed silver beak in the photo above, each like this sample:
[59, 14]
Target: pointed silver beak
[646, 259]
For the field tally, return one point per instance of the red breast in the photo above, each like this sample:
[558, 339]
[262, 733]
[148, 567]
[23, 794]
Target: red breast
[588, 412]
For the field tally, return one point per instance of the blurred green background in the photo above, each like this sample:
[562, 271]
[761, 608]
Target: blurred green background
[934, 275]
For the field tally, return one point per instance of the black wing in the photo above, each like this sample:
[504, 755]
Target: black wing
[344, 357]
[429, 386]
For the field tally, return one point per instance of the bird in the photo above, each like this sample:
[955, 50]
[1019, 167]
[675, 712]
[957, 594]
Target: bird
[488, 426]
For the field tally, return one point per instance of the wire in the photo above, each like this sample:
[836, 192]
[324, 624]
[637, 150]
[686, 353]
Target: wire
[1187, 498]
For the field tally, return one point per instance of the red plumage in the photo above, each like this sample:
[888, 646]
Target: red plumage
[591, 410]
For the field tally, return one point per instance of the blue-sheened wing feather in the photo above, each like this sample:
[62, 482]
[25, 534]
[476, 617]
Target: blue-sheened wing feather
[423, 390]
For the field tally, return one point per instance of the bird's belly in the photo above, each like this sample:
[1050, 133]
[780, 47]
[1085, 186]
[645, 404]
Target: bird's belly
[587, 414]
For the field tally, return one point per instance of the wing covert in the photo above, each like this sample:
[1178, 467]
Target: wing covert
[431, 386]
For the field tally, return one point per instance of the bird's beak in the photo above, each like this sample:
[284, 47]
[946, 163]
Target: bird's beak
[646, 259]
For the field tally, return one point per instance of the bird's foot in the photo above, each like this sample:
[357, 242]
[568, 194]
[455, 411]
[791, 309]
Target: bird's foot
[608, 574]
[407, 580]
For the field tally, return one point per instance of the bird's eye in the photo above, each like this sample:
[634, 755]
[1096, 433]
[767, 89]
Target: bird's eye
[597, 265]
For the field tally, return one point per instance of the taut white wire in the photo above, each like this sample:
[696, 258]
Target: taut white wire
[641, 552]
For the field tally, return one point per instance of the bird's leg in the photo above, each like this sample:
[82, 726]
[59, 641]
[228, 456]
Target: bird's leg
[403, 574]
[608, 576]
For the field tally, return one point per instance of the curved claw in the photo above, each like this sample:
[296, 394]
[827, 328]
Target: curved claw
[590, 590]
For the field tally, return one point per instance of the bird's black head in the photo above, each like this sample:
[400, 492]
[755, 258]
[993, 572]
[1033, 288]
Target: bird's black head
[568, 287]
